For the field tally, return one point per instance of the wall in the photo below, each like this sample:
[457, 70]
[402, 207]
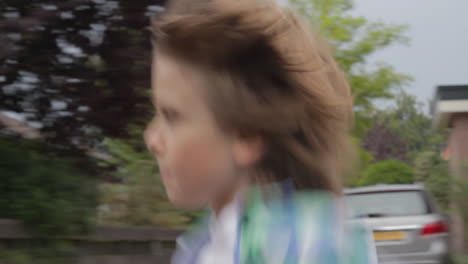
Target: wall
[458, 144]
[107, 245]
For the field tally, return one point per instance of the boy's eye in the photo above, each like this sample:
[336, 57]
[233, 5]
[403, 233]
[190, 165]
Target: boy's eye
[169, 114]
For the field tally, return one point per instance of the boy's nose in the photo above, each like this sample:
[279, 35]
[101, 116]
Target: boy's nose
[153, 139]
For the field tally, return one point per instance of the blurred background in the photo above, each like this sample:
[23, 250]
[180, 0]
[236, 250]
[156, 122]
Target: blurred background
[76, 182]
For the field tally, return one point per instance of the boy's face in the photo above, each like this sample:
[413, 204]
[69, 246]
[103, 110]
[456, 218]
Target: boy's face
[194, 155]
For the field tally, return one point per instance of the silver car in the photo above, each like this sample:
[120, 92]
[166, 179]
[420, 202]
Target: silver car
[406, 224]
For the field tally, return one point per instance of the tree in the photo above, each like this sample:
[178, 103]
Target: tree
[354, 39]
[61, 62]
[47, 193]
[387, 171]
[357, 165]
[434, 173]
[407, 119]
[73, 66]
[385, 144]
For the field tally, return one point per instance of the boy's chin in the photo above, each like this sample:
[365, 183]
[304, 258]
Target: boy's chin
[187, 203]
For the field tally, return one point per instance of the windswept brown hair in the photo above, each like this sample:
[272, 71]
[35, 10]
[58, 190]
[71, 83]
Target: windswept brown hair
[267, 74]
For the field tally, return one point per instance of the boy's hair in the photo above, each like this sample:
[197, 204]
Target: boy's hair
[267, 74]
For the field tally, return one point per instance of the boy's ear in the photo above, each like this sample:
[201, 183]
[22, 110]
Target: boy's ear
[247, 150]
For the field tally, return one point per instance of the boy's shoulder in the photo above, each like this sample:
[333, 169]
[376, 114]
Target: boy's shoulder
[302, 205]
[303, 227]
[310, 226]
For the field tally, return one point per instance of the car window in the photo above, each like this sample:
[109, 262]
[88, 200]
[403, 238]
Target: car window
[378, 204]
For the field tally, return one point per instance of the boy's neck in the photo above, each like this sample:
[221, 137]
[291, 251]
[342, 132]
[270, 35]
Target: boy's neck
[227, 197]
[220, 204]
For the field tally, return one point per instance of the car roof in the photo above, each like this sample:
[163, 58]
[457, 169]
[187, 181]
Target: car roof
[385, 188]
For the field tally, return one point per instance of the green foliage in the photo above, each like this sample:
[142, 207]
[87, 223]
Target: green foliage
[15, 256]
[460, 259]
[434, 173]
[43, 190]
[362, 161]
[140, 200]
[409, 121]
[365, 157]
[388, 171]
[385, 144]
[38, 251]
[48, 194]
[354, 39]
[460, 195]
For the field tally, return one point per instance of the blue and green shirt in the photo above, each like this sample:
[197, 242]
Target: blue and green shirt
[284, 226]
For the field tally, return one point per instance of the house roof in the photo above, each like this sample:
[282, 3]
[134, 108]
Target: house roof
[449, 100]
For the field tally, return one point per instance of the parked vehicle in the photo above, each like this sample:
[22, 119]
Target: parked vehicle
[406, 224]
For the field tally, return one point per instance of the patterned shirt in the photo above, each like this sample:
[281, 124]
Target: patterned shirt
[277, 226]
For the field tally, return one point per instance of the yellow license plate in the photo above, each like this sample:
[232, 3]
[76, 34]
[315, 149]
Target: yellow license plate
[389, 235]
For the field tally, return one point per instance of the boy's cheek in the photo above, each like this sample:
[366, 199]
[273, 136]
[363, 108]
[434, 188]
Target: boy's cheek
[196, 168]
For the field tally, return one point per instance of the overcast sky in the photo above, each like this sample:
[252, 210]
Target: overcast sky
[438, 50]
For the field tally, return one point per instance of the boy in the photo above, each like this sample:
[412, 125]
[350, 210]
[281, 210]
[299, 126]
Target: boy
[252, 121]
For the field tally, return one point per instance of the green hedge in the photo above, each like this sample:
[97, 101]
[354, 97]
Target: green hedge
[387, 171]
[43, 190]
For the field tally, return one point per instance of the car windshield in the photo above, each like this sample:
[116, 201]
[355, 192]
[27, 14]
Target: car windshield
[383, 204]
